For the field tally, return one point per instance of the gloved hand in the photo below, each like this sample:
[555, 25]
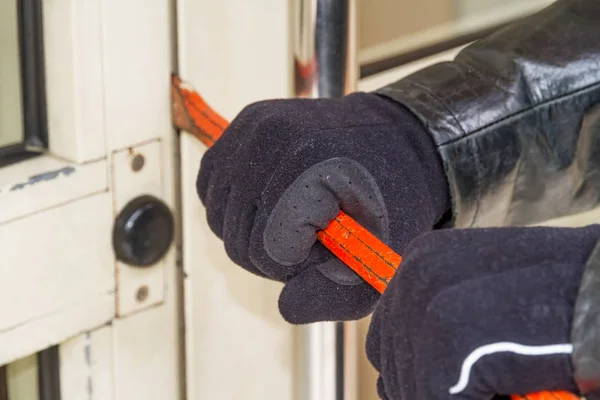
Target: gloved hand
[284, 168]
[477, 312]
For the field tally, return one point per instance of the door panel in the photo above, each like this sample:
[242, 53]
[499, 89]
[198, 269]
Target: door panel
[75, 78]
[237, 346]
[145, 349]
[60, 279]
[86, 366]
[136, 70]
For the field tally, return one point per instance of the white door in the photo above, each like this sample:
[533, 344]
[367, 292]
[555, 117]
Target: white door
[233, 52]
[109, 328]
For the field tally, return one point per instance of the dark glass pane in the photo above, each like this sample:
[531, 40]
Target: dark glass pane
[23, 128]
[3, 383]
[11, 111]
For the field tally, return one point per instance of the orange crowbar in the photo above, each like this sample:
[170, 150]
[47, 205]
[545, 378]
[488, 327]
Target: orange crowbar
[370, 258]
[358, 248]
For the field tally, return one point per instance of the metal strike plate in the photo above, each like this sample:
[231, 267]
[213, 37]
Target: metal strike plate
[143, 230]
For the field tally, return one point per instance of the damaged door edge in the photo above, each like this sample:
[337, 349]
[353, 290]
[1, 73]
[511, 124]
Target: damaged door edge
[39, 192]
[178, 215]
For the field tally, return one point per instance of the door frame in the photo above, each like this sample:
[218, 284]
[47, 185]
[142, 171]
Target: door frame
[107, 67]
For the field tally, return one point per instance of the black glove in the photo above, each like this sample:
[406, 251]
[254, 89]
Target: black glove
[284, 168]
[478, 312]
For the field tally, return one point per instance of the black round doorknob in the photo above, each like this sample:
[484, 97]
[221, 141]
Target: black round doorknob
[143, 231]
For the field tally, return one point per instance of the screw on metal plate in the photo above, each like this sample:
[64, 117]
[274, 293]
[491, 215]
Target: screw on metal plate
[142, 294]
[137, 163]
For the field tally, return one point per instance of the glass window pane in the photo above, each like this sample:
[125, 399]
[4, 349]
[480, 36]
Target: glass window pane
[11, 114]
[35, 377]
[22, 379]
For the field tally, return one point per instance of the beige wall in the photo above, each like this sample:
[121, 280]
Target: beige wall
[465, 7]
[384, 20]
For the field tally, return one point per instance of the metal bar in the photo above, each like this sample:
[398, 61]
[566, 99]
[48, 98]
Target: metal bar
[31, 47]
[49, 373]
[324, 46]
[3, 383]
[325, 65]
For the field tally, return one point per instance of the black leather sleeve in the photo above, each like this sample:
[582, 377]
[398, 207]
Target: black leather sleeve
[515, 119]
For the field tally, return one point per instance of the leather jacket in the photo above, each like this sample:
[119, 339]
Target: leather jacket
[516, 120]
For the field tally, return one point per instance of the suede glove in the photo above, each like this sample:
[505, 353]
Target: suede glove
[476, 313]
[284, 169]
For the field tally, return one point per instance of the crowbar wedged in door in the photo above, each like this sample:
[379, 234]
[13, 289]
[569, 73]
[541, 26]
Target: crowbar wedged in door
[364, 253]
